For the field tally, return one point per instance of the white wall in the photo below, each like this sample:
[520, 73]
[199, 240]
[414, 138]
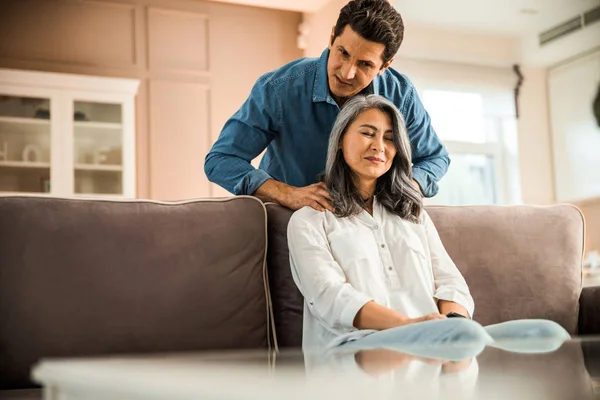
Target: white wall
[535, 153]
[575, 135]
[566, 47]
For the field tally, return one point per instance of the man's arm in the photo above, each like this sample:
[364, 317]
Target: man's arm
[245, 135]
[315, 196]
[429, 156]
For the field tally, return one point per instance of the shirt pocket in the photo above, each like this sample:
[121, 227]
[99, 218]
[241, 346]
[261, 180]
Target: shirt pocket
[416, 240]
[419, 256]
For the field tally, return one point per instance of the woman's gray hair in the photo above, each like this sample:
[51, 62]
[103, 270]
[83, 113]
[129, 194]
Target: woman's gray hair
[394, 190]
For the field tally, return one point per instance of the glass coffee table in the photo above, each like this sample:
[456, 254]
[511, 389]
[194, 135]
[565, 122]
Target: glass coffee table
[570, 372]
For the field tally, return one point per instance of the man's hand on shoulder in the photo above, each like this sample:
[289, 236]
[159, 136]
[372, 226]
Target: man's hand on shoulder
[294, 198]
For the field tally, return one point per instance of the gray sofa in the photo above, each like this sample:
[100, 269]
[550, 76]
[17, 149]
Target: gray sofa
[100, 277]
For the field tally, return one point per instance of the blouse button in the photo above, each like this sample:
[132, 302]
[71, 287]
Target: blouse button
[382, 246]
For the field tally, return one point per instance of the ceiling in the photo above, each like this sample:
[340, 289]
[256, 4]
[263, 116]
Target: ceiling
[511, 17]
[292, 5]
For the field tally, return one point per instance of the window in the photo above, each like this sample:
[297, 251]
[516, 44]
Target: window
[479, 131]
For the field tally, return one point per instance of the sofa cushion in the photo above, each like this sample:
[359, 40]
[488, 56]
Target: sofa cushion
[94, 277]
[589, 311]
[287, 299]
[519, 262]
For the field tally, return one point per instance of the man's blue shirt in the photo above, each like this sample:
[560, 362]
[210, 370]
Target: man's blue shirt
[290, 112]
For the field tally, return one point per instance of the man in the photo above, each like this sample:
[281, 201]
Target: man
[291, 111]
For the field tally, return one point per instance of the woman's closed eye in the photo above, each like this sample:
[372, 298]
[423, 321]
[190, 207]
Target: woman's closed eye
[370, 134]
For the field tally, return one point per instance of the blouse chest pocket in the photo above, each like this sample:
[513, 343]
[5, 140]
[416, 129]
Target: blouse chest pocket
[349, 247]
[416, 240]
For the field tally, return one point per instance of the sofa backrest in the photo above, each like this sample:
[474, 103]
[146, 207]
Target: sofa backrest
[85, 278]
[519, 262]
[287, 300]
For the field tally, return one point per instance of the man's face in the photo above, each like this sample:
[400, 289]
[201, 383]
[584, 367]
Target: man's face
[353, 63]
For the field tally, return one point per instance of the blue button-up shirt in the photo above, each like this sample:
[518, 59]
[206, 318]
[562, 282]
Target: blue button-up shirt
[290, 112]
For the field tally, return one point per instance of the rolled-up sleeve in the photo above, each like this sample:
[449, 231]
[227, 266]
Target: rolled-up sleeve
[320, 279]
[429, 156]
[450, 285]
[245, 135]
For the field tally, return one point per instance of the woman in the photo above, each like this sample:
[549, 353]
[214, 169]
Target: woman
[375, 272]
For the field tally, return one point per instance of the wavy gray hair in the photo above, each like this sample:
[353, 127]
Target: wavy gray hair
[394, 189]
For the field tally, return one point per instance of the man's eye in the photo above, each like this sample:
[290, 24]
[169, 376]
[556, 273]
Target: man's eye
[365, 65]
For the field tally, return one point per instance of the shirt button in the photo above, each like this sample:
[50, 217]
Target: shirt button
[390, 268]
[382, 246]
[376, 227]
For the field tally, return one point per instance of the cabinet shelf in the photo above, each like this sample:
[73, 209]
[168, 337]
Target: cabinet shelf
[98, 167]
[97, 125]
[77, 124]
[23, 120]
[24, 164]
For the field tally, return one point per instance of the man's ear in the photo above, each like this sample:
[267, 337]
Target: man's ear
[385, 66]
[331, 37]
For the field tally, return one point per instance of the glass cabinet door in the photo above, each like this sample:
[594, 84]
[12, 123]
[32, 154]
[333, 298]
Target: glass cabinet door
[98, 148]
[24, 144]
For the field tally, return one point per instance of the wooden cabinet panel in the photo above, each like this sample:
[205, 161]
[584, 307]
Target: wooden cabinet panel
[179, 139]
[83, 32]
[177, 40]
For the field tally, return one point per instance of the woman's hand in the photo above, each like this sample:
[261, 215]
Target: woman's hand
[428, 317]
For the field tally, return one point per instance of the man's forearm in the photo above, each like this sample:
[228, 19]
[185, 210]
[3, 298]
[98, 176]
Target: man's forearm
[446, 306]
[428, 173]
[273, 190]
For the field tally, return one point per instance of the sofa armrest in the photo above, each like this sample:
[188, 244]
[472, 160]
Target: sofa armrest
[589, 311]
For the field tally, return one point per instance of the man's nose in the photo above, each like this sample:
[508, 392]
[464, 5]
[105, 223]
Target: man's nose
[349, 72]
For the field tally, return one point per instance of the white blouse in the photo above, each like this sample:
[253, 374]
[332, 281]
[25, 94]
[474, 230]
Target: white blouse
[340, 264]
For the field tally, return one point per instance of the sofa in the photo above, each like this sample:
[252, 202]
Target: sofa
[103, 277]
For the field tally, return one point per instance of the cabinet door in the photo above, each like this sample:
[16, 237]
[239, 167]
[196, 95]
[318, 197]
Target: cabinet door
[25, 141]
[98, 137]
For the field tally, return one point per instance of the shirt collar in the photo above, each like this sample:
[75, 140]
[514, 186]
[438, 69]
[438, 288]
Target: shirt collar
[377, 217]
[321, 85]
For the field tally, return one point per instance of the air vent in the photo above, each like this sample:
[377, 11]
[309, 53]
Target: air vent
[561, 30]
[572, 25]
[591, 16]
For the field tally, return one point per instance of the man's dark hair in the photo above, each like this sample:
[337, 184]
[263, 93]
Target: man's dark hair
[374, 20]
